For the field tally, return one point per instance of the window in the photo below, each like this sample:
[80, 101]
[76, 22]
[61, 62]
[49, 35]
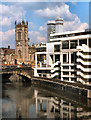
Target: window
[73, 73]
[64, 58]
[65, 67]
[43, 71]
[19, 35]
[73, 67]
[84, 41]
[90, 43]
[73, 79]
[57, 58]
[69, 35]
[44, 75]
[65, 73]
[66, 78]
[76, 34]
[19, 52]
[73, 57]
[39, 75]
[65, 45]
[73, 44]
[42, 49]
[56, 48]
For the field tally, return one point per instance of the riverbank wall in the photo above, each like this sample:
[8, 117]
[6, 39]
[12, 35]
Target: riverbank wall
[73, 88]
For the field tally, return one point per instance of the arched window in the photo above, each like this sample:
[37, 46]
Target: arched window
[19, 35]
[19, 52]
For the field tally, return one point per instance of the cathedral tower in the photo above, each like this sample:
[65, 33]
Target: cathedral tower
[21, 42]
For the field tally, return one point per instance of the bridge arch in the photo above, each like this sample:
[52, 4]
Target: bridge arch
[26, 73]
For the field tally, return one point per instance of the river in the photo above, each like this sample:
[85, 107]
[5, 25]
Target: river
[23, 100]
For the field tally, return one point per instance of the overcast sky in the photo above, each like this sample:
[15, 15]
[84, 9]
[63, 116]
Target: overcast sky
[75, 15]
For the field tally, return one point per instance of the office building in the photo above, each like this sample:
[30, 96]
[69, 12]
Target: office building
[67, 57]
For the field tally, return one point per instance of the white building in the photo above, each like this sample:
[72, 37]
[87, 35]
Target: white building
[67, 56]
[54, 27]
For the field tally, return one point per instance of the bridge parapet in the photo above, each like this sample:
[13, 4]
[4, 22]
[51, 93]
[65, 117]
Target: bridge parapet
[23, 71]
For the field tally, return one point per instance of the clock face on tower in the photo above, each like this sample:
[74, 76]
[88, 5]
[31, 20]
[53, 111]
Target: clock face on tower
[18, 43]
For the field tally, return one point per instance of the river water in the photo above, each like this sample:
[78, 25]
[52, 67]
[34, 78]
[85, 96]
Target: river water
[27, 101]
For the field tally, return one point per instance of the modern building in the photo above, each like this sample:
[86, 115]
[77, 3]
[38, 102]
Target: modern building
[54, 27]
[67, 57]
[50, 29]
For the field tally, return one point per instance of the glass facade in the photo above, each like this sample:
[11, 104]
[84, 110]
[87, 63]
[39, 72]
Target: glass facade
[73, 44]
[73, 57]
[90, 43]
[50, 29]
[65, 45]
[84, 41]
[64, 58]
[42, 49]
[65, 73]
[56, 48]
[65, 67]
[57, 58]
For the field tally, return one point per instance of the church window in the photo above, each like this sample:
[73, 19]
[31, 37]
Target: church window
[19, 52]
[19, 35]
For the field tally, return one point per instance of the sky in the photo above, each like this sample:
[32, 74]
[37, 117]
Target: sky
[75, 15]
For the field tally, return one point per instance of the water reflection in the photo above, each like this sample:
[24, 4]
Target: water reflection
[21, 101]
[54, 107]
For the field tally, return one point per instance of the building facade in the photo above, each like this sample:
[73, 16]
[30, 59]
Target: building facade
[32, 50]
[54, 27]
[21, 42]
[67, 57]
[23, 52]
[7, 56]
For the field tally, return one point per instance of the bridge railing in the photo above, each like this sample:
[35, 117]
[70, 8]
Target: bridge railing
[28, 70]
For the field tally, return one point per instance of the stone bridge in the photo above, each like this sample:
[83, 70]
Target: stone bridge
[25, 72]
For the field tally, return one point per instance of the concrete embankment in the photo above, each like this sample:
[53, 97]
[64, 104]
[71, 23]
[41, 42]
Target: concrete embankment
[74, 88]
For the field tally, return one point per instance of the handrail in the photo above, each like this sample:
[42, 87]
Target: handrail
[84, 48]
[84, 76]
[84, 69]
[84, 56]
[84, 63]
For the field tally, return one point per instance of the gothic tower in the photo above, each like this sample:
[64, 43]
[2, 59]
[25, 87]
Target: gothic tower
[21, 42]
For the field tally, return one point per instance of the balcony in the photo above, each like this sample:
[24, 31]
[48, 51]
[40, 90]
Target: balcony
[43, 65]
